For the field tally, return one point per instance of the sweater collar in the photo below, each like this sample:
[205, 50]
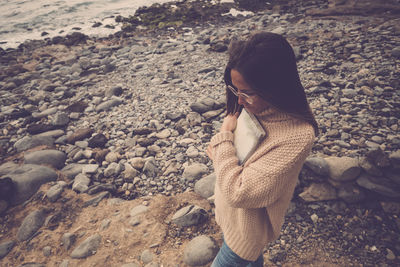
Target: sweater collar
[272, 115]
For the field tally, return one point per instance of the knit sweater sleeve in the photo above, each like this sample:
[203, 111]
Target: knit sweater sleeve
[262, 181]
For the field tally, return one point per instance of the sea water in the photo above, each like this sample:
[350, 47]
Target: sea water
[22, 20]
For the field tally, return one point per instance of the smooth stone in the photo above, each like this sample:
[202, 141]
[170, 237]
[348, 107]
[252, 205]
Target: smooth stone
[137, 163]
[90, 168]
[98, 140]
[371, 183]
[87, 247]
[394, 158]
[317, 165]
[200, 251]
[64, 263]
[50, 157]
[205, 186]
[30, 142]
[378, 157]
[109, 104]
[96, 200]
[81, 183]
[61, 119]
[189, 215]
[194, 171]
[28, 178]
[79, 134]
[150, 168]
[112, 157]
[55, 191]
[343, 168]
[131, 264]
[351, 194]
[138, 210]
[68, 240]
[72, 170]
[318, 192]
[7, 167]
[47, 251]
[152, 264]
[6, 247]
[53, 133]
[368, 167]
[32, 264]
[146, 256]
[163, 134]
[31, 224]
[114, 91]
[112, 170]
[105, 224]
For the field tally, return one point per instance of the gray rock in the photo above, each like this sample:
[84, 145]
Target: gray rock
[29, 142]
[32, 264]
[28, 178]
[146, 256]
[189, 215]
[7, 167]
[152, 264]
[96, 200]
[6, 247]
[30, 225]
[72, 170]
[205, 186]
[64, 263]
[108, 104]
[376, 184]
[87, 247]
[317, 165]
[194, 171]
[200, 251]
[115, 90]
[368, 167]
[47, 251]
[113, 169]
[81, 183]
[150, 168]
[138, 210]
[351, 194]
[318, 192]
[68, 240]
[131, 264]
[343, 168]
[50, 157]
[394, 158]
[55, 191]
[52, 134]
[105, 224]
[61, 119]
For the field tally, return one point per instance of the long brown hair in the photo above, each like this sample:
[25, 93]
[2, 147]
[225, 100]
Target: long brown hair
[268, 64]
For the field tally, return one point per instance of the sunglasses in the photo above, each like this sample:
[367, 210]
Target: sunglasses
[249, 99]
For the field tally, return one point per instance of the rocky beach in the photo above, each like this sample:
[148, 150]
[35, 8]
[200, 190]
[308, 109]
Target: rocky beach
[102, 140]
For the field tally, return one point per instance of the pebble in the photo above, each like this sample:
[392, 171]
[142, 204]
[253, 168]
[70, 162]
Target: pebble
[200, 251]
[87, 248]
[30, 225]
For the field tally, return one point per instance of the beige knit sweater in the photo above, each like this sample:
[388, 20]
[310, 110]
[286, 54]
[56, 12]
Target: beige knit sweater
[251, 200]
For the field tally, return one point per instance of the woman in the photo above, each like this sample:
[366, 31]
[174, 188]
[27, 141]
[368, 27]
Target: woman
[251, 199]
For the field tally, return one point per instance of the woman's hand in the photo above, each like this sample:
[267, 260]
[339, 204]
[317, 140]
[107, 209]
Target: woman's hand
[229, 123]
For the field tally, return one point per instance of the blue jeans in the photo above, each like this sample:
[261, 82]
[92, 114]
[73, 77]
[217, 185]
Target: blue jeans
[227, 258]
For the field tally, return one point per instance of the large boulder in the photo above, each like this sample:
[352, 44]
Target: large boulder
[28, 178]
[205, 186]
[50, 157]
[343, 169]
